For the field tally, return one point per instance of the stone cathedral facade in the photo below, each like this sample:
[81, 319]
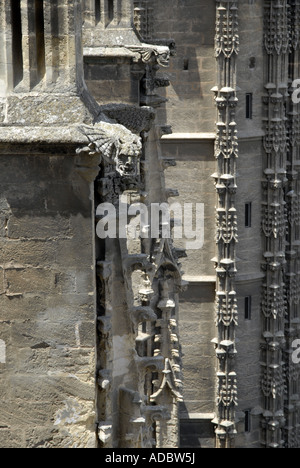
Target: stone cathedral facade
[244, 55]
[132, 341]
[90, 353]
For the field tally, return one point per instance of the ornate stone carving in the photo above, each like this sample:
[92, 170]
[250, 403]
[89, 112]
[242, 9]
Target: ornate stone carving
[143, 19]
[280, 219]
[119, 140]
[291, 371]
[135, 119]
[274, 301]
[277, 33]
[226, 225]
[274, 222]
[226, 306]
[117, 145]
[227, 394]
[157, 382]
[273, 383]
[151, 53]
[226, 153]
[227, 37]
[105, 350]
[170, 381]
[167, 332]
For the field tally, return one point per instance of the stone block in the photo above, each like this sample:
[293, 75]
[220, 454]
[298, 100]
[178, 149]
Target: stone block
[29, 280]
[11, 438]
[49, 109]
[54, 387]
[37, 333]
[39, 227]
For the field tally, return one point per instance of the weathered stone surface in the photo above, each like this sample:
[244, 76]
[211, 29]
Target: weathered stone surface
[76, 368]
[92, 330]
[190, 111]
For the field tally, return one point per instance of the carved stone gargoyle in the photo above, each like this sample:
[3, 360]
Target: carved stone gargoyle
[116, 145]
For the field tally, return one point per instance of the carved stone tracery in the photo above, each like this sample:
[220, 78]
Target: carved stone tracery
[146, 270]
[226, 153]
[280, 296]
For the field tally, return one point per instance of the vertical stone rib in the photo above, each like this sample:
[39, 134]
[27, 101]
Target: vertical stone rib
[143, 19]
[49, 59]
[274, 220]
[226, 153]
[62, 37]
[26, 6]
[292, 329]
[6, 49]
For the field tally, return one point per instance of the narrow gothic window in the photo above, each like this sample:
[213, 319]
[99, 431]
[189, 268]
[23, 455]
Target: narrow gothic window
[111, 10]
[17, 41]
[249, 106]
[98, 11]
[252, 63]
[186, 64]
[247, 421]
[248, 215]
[248, 308]
[40, 38]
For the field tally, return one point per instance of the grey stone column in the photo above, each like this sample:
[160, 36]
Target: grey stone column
[226, 153]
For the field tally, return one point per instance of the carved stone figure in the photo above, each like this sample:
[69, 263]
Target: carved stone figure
[116, 144]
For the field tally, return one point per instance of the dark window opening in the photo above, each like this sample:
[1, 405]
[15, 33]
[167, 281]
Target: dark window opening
[248, 215]
[252, 63]
[186, 64]
[111, 10]
[17, 41]
[40, 38]
[98, 11]
[249, 106]
[247, 421]
[248, 308]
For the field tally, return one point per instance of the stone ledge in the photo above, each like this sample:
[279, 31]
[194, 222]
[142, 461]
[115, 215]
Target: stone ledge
[32, 134]
[199, 279]
[184, 415]
[250, 278]
[189, 137]
[247, 136]
[90, 52]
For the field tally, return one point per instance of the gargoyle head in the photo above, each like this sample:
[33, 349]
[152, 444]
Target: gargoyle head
[130, 148]
[117, 145]
[152, 54]
[162, 55]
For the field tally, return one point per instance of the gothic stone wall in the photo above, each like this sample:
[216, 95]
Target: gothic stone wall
[191, 23]
[249, 249]
[195, 164]
[47, 313]
[191, 110]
